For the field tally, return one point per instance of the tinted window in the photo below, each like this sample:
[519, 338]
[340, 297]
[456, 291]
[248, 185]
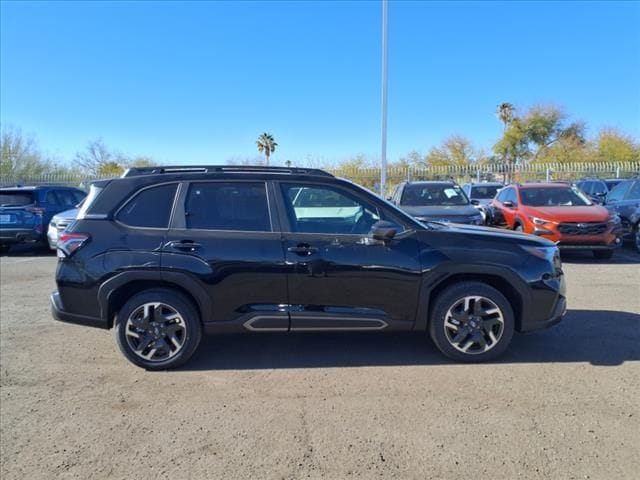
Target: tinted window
[66, 199]
[502, 196]
[599, 187]
[320, 209]
[52, 198]
[618, 192]
[78, 196]
[421, 195]
[586, 187]
[484, 191]
[634, 193]
[150, 208]
[228, 206]
[553, 197]
[512, 196]
[15, 199]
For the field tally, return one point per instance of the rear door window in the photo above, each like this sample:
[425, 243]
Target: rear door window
[66, 199]
[232, 206]
[15, 198]
[150, 208]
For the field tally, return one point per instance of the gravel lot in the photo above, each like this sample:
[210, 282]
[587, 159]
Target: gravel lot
[562, 404]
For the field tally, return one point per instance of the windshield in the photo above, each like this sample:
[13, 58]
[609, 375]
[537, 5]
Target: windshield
[484, 191]
[553, 197]
[15, 199]
[422, 195]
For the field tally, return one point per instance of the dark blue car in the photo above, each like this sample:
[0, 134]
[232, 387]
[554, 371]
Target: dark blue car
[25, 212]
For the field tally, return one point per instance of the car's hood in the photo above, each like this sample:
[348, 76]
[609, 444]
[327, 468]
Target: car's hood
[593, 213]
[496, 235]
[66, 215]
[440, 211]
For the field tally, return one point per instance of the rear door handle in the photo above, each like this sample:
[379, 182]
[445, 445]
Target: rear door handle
[184, 245]
[303, 250]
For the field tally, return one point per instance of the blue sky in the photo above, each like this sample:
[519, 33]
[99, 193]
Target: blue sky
[198, 82]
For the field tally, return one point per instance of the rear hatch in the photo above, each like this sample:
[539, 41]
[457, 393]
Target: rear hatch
[18, 210]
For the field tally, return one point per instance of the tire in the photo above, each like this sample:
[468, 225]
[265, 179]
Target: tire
[603, 254]
[158, 329]
[518, 228]
[463, 297]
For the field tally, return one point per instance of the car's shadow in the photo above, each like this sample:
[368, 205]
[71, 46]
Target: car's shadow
[592, 336]
[39, 249]
[621, 256]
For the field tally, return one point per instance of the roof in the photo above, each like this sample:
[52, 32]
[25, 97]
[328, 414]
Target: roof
[222, 169]
[544, 185]
[433, 182]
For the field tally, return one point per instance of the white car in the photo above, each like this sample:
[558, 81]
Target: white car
[58, 223]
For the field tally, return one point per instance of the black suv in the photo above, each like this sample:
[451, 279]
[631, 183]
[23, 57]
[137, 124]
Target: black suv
[165, 254]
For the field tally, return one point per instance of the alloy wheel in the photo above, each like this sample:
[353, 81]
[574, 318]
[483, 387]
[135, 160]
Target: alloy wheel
[155, 332]
[474, 324]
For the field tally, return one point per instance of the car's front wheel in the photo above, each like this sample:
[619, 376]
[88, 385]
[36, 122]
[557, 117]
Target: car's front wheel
[471, 322]
[158, 329]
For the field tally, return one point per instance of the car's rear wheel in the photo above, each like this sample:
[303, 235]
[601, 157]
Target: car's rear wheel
[471, 322]
[158, 329]
[603, 254]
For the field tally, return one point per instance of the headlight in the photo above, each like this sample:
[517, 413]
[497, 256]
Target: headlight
[540, 221]
[548, 253]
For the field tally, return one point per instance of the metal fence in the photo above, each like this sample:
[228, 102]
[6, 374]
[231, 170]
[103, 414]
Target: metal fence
[370, 177]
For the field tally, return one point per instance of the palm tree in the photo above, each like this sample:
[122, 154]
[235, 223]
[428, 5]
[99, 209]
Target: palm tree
[506, 113]
[266, 144]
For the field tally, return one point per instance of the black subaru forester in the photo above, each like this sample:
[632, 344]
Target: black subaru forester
[166, 254]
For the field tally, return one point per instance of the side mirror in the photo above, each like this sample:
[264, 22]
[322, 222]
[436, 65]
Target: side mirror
[508, 204]
[475, 202]
[383, 231]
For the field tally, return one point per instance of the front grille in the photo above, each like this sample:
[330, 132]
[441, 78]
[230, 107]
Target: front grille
[582, 228]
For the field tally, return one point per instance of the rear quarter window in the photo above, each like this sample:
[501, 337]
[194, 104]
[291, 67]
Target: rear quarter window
[149, 208]
[15, 198]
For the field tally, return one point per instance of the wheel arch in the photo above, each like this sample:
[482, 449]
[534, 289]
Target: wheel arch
[114, 293]
[504, 283]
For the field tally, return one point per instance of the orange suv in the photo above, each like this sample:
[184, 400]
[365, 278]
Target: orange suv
[560, 213]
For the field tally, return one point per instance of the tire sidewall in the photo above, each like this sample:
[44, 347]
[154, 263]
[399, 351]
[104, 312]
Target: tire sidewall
[450, 296]
[182, 305]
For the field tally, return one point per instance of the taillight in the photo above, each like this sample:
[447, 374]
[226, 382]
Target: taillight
[69, 243]
[36, 210]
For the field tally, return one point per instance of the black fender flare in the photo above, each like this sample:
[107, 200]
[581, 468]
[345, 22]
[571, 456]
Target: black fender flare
[435, 278]
[177, 279]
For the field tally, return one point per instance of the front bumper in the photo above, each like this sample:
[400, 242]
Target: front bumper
[558, 312]
[58, 312]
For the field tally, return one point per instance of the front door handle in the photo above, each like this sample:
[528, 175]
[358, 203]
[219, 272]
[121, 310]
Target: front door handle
[302, 250]
[184, 245]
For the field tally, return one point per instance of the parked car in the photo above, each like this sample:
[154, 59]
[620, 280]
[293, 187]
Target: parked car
[635, 218]
[436, 201]
[57, 225]
[560, 213]
[25, 212]
[166, 254]
[597, 188]
[483, 193]
[624, 201]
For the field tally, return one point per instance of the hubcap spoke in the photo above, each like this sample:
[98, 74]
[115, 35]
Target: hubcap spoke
[474, 324]
[155, 332]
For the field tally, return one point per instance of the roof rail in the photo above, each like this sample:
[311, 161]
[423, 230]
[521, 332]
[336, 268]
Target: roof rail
[136, 171]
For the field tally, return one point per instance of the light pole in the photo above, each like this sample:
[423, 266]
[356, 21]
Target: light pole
[383, 163]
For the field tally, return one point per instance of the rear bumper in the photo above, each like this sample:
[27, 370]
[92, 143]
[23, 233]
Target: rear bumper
[58, 312]
[19, 235]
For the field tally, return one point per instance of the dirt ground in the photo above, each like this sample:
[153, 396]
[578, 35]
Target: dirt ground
[561, 404]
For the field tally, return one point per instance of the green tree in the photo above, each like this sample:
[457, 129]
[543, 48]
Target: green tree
[455, 151]
[506, 113]
[614, 146]
[110, 169]
[267, 145]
